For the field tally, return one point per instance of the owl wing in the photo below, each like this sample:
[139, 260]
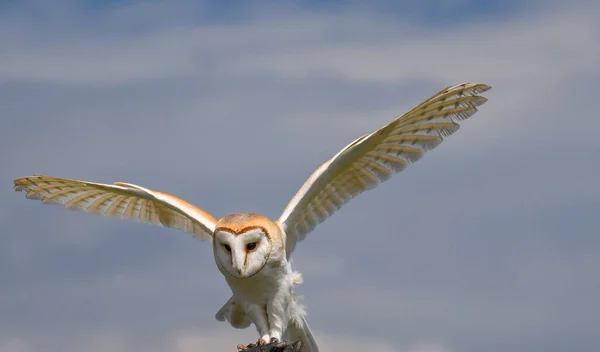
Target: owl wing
[234, 314]
[374, 158]
[121, 200]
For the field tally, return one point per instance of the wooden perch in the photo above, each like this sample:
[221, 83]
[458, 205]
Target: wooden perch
[282, 346]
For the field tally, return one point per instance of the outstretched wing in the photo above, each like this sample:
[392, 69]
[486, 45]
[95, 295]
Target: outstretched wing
[121, 200]
[374, 158]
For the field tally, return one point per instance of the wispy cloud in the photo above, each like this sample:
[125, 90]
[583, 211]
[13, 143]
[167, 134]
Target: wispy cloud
[195, 339]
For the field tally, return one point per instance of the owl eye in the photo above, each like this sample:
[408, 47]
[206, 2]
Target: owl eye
[227, 248]
[251, 246]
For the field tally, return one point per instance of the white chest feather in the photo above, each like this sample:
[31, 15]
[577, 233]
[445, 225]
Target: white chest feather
[269, 283]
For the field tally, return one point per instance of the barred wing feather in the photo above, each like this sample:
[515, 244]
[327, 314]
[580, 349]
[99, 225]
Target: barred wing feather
[374, 158]
[121, 200]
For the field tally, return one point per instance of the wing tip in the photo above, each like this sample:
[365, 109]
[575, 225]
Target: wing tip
[22, 183]
[27, 180]
[483, 87]
[474, 88]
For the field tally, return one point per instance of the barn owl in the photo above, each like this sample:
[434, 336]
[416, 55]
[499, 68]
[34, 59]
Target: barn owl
[250, 250]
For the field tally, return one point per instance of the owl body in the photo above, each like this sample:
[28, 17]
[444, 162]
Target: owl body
[267, 300]
[249, 251]
[253, 252]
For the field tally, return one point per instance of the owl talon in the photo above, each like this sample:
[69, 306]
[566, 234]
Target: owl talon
[261, 342]
[274, 340]
[242, 348]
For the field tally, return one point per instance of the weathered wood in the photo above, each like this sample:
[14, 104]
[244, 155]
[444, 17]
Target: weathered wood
[282, 346]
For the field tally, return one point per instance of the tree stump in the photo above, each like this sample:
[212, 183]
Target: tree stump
[282, 346]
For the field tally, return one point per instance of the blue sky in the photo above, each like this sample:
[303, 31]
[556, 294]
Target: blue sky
[489, 243]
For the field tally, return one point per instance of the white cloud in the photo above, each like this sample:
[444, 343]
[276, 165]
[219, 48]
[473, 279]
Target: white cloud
[426, 347]
[332, 343]
[14, 344]
[102, 342]
[525, 59]
[524, 49]
[191, 340]
[195, 339]
[535, 51]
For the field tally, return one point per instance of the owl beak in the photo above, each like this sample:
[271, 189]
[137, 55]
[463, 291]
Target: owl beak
[238, 262]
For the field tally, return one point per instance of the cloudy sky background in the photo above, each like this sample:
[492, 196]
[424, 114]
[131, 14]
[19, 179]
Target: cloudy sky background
[489, 243]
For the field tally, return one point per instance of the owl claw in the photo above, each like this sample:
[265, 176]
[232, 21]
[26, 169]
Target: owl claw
[274, 340]
[261, 342]
[242, 348]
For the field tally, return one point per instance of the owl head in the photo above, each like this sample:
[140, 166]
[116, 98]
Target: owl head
[245, 243]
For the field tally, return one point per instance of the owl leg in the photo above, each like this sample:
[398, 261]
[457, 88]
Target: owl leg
[259, 317]
[276, 312]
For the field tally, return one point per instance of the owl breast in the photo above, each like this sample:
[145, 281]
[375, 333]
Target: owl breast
[261, 287]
